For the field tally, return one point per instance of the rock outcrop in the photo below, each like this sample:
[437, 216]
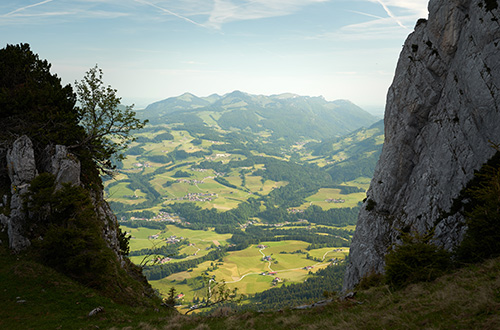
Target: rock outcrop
[442, 115]
[22, 170]
[22, 167]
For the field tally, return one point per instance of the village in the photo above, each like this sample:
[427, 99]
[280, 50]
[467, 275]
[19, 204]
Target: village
[162, 216]
[335, 200]
[196, 197]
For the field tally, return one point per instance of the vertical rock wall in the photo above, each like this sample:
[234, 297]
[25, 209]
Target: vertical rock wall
[442, 112]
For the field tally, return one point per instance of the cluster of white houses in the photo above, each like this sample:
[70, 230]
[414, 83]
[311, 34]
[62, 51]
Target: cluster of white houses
[196, 197]
[335, 200]
[192, 182]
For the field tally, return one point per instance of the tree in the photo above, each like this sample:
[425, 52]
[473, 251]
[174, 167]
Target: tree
[33, 100]
[217, 292]
[107, 124]
[482, 214]
[171, 299]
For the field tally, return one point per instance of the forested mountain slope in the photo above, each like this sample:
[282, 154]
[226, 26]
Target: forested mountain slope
[282, 116]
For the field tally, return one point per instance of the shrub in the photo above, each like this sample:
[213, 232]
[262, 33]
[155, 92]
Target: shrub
[482, 238]
[370, 204]
[415, 260]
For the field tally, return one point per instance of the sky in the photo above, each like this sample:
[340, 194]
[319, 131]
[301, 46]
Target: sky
[150, 50]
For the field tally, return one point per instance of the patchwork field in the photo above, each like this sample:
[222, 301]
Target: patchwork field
[239, 269]
[162, 169]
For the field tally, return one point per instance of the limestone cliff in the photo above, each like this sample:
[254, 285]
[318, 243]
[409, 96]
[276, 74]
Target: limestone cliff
[22, 167]
[441, 116]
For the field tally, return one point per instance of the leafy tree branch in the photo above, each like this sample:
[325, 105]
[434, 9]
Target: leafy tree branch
[107, 124]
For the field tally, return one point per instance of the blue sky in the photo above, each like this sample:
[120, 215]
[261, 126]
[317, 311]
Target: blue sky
[153, 49]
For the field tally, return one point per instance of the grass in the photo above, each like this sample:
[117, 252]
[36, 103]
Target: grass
[201, 238]
[37, 297]
[466, 299]
[329, 253]
[140, 238]
[351, 200]
[239, 269]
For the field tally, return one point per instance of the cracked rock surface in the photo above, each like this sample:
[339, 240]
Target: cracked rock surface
[442, 113]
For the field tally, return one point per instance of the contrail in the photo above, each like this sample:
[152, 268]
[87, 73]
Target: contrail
[389, 12]
[365, 14]
[169, 12]
[26, 7]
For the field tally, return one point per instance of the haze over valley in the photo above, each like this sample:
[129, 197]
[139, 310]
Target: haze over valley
[216, 178]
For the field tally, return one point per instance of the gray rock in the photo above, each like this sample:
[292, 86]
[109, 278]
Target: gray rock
[111, 229]
[21, 163]
[96, 311]
[316, 304]
[22, 170]
[4, 220]
[442, 112]
[64, 165]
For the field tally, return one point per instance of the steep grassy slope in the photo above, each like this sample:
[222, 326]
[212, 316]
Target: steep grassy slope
[36, 297]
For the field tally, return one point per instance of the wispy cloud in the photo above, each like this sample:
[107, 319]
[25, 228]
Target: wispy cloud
[164, 10]
[209, 14]
[401, 14]
[225, 11]
[27, 7]
[364, 14]
[40, 12]
[391, 15]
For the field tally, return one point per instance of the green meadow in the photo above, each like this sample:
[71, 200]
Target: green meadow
[239, 269]
[320, 199]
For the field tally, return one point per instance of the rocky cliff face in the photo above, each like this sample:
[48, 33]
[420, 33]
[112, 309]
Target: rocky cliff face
[442, 113]
[22, 167]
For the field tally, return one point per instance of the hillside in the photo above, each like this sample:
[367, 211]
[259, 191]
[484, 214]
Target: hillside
[284, 116]
[52, 210]
[223, 189]
[36, 297]
[169, 161]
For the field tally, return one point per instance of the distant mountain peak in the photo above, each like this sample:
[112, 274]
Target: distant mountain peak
[187, 97]
[284, 115]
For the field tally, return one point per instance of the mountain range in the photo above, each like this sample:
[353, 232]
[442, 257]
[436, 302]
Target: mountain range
[282, 116]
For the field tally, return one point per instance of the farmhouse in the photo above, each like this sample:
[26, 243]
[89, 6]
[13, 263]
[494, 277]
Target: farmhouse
[335, 200]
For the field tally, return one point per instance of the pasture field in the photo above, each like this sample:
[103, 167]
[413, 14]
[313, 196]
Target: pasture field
[140, 238]
[361, 182]
[201, 239]
[239, 269]
[319, 199]
[326, 254]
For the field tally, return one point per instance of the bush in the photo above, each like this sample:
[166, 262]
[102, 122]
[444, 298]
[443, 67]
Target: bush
[72, 241]
[415, 260]
[482, 238]
[370, 204]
